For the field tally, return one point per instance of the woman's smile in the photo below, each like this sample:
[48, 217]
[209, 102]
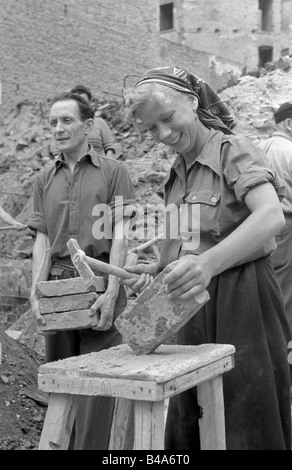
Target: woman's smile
[175, 141]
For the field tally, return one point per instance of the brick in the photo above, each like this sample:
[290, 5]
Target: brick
[75, 320]
[68, 286]
[67, 303]
[152, 318]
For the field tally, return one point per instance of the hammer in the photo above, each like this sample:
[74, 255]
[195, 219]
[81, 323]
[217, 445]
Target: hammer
[84, 263]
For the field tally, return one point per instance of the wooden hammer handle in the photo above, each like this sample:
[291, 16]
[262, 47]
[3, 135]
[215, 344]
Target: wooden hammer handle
[110, 269]
[12, 227]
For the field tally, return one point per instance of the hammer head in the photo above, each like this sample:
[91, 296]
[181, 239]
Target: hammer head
[80, 263]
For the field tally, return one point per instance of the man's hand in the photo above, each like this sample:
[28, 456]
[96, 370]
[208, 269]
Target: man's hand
[35, 308]
[103, 308]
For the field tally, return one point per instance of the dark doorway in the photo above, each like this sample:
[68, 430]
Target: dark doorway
[265, 55]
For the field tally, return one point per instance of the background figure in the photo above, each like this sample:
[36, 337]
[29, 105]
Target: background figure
[238, 199]
[9, 220]
[100, 136]
[278, 150]
[65, 197]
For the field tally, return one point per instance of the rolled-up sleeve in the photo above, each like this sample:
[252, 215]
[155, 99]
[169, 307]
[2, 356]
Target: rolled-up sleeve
[37, 219]
[245, 166]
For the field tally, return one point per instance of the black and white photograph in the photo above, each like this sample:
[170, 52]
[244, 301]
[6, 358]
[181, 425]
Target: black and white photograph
[145, 227]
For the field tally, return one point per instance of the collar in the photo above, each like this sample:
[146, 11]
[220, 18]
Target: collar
[210, 155]
[91, 154]
[282, 134]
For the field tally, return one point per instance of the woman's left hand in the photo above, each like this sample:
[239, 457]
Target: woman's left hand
[190, 276]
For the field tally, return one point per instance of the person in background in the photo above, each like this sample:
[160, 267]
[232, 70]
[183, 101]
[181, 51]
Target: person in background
[66, 198]
[238, 215]
[100, 136]
[9, 220]
[278, 149]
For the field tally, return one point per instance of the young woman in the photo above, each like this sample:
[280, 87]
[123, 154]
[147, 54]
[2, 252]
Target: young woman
[237, 198]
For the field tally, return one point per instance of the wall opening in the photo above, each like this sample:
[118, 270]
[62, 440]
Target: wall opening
[166, 16]
[266, 7]
[265, 55]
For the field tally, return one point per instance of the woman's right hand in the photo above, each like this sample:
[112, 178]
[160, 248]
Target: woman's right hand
[147, 273]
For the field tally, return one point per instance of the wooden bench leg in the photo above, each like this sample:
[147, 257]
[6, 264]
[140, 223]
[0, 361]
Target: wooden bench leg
[122, 433]
[58, 423]
[148, 425]
[212, 423]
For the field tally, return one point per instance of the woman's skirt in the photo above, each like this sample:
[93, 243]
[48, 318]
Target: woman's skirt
[246, 309]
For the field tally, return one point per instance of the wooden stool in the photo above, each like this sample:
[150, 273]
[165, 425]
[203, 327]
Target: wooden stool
[142, 381]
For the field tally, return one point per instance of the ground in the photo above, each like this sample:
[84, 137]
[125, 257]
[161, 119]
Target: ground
[22, 405]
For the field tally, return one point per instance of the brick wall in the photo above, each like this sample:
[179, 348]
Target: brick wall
[50, 45]
[11, 309]
[15, 282]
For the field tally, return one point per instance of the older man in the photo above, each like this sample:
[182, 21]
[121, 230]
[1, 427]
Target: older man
[278, 150]
[66, 196]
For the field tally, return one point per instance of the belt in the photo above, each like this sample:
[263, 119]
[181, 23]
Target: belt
[59, 272]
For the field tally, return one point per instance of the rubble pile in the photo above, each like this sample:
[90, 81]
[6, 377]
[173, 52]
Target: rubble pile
[253, 100]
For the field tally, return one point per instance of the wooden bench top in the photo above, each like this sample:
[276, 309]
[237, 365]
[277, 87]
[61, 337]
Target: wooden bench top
[166, 363]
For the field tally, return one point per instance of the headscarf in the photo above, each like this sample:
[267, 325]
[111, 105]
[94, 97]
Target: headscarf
[211, 109]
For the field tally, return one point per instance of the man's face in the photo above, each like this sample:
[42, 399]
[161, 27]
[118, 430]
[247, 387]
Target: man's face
[68, 130]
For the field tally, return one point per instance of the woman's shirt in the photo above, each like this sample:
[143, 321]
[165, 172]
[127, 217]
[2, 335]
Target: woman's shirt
[211, 194]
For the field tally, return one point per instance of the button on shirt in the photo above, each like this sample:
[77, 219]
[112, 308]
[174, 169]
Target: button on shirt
[278, 150]
[218, 181]
[69, 205]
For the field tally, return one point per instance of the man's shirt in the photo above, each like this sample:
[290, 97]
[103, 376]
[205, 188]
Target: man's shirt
[69, 205]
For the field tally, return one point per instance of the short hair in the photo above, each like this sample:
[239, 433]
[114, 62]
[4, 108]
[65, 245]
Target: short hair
[82, 89]
[86, 111]
[135, 98]
[283, 112]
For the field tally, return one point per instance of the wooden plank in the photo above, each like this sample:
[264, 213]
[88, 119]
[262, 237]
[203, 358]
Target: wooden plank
[184, 382]
[75, 320]
[119, 388]
[77, 383]
[58, 423]
[212, 423]
[122, 433]
[149, 425]
[68, 286]
[67, 303]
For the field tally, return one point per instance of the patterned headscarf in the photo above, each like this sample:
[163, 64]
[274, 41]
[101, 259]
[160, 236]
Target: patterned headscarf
[211, 110]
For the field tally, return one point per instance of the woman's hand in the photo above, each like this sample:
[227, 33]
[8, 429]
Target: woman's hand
[190, 276]
[146, 271]
[20, 226]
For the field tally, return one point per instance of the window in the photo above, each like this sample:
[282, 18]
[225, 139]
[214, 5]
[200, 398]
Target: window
[266, 7]
[166, 16]
[265, 55]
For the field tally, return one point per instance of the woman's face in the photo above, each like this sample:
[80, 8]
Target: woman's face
[171, 120]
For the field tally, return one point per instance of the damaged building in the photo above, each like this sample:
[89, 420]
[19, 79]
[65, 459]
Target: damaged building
[49, 46]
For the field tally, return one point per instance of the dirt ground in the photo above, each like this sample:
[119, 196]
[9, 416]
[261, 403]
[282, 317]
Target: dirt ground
[22, 405]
